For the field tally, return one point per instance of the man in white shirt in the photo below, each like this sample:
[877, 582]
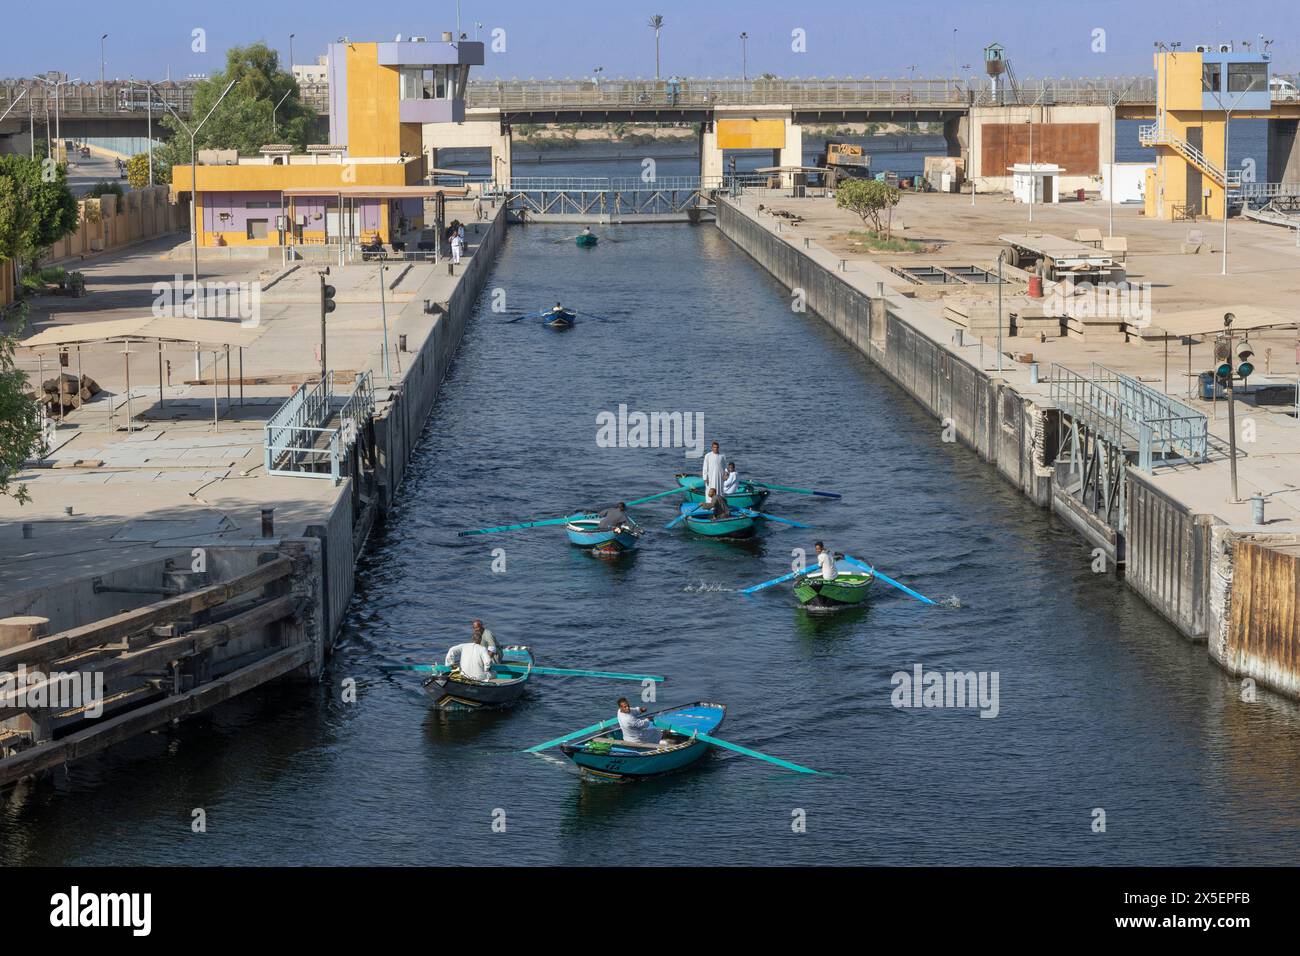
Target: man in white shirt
[826, 563]
[714, 468]
[637, 730]
[474, 661]
[731, 483]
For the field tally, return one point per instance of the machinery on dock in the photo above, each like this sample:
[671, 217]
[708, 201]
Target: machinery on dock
[1055, 258]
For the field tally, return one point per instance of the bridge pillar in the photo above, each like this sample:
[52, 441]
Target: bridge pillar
[501, 168]
[741, 128]
[710, 153]
[792, 151]
[1284, 151]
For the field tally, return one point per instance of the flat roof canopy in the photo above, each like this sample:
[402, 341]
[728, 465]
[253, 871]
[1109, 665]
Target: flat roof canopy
[1210, 321]
[209, 332]
[376, 192]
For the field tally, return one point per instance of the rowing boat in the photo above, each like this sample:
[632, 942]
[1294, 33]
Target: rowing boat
[585, 533]
[749, 495]
[844, 590]
[733, 526]
[559, 318]
[454, 691]
[586, 240]
[608, 755]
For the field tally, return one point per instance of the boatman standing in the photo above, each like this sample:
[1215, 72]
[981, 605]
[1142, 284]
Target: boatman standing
[636, 730]
[731, 483]
[826, 562]
[714, 470]
[473, 659]
[487, 638]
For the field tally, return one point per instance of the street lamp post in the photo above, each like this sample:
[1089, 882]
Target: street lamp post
[291, 36]
[383, 311]
[744, 56]
[1114, 102]
[194, 176]
[1227, 124]
[102, 38]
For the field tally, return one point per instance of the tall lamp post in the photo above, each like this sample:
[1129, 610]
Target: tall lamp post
[102, 38]
[291, 36]
[58, 129]
[744, 56]
[194, 177]
[1114, 101]
[1227, 123]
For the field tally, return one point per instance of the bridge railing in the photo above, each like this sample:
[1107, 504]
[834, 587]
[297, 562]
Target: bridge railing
[86, 99]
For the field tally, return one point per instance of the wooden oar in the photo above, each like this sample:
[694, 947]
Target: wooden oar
[525, 524]
[887, 579]
[683, 516]
[770, 517]
[797, 491]
[577, 733]
[726, 745]
[662, 494]
[768, 584]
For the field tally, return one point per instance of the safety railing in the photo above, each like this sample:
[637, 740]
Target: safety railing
[1127, 413]
[310, 434]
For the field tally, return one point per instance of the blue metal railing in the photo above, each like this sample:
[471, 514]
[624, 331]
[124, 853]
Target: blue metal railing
[1121, 409]
[310, 435]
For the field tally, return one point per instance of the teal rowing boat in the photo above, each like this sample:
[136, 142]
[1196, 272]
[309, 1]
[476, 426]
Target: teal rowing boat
[586, 240]
[732, 526]
[749, 496]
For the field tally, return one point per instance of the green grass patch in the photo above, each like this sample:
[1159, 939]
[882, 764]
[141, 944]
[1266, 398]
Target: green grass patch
[874, 241]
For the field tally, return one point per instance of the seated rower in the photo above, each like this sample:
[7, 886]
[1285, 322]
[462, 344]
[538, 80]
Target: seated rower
[716, 503]
[826, 563]
[613, 519]
[731, 482]
[636, 730]
[488, 639]
[474, 661]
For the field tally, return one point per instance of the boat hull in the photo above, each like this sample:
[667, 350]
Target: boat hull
[563, 319]
[628, 762]
[846, 590]
[450, 692]
[749, 496]
[734, 526]
[586, 242]
[583, 534]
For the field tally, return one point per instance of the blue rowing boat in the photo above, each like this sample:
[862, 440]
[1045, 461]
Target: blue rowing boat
[608, 755]
[559, 318]
[585, 533]
[734, 525]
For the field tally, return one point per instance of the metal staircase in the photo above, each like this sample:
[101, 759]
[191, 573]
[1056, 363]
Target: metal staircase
[1156, 136]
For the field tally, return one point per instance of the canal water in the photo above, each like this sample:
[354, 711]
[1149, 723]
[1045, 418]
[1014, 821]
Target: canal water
[1102, 709]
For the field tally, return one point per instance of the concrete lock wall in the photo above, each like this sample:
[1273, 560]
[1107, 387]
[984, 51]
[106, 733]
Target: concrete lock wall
[1007, 429]
[1168, 556]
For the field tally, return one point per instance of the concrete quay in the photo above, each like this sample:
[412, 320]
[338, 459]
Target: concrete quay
[132, 535]
[1180, 541]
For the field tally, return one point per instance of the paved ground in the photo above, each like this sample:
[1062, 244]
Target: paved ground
[178, 474]
[1264, 272]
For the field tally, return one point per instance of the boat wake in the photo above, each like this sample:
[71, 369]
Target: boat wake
[951, 601]
[704, 586]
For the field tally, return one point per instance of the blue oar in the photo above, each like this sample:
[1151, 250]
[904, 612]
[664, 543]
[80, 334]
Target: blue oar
[683, 516]
[798, 491]
[577, 733]
[526, 524]
[768, 584]
[887, 579]
[737, 748]
[763, 514]
[592, 315]
[662, 494]
[568, 672]
[520, 318]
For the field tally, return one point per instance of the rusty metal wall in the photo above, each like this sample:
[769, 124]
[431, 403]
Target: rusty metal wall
[1263, 639]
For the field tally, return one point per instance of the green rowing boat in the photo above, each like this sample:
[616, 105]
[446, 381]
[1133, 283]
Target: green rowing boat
[845, 590]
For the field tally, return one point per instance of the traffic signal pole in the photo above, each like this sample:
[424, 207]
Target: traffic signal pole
[1232, 422]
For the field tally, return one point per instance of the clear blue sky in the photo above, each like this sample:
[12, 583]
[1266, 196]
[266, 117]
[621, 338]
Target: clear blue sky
[700, 38]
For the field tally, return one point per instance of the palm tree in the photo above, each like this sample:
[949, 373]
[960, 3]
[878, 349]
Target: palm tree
[657, 24]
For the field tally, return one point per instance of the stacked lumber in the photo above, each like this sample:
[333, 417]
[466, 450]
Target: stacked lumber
[1033, 320]
[66, 392]
[977, 316]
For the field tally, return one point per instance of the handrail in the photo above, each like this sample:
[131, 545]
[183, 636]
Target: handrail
[308, 412]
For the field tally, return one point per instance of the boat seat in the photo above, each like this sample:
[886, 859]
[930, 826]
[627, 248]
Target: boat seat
[620, 742]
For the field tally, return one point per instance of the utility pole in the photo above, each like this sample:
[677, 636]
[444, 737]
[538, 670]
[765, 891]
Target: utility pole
[1232, 416]
[102, 38]
[326, 307]
[744, 56]
[1001, 255]
[383, 310]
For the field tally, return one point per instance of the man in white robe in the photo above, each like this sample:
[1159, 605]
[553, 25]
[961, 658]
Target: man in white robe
[637, 730]
[474, 661]
[714, 470]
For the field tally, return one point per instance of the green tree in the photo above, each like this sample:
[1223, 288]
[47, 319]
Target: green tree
[20, 418]
[248, 117]
[869, 198]
[37, 208]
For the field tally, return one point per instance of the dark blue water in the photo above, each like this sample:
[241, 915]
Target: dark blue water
[1102, 705]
